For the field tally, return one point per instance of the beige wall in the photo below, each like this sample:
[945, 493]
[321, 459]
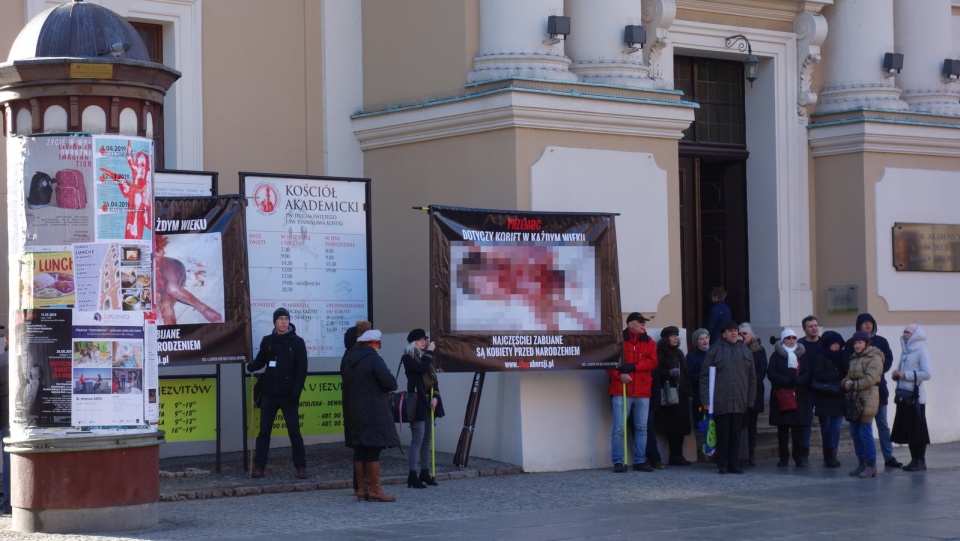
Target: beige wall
[417, 50]
[261, 88]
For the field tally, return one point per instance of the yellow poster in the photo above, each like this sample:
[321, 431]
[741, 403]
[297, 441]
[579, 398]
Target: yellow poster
[46, 279]
[320, 408]
[188, 409]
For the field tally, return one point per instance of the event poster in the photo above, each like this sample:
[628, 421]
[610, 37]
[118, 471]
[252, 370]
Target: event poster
[320, 408]
[202, 291]
[308, 249]
[44, 389]
[524, 290]
[113, 276]
[46, 279]
[124, 192]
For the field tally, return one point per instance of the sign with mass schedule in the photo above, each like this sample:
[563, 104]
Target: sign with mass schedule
[321, 410]
[188, 409]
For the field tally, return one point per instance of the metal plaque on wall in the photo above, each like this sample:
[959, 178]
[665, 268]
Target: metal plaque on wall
[926, 247]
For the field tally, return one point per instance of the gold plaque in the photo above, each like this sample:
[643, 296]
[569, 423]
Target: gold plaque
[926, 247]
[91, 71]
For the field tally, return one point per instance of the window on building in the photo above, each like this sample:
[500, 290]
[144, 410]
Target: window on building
[717, 85]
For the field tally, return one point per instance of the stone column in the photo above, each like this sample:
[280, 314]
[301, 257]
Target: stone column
[596, 46]
[923, 35]
[860, 33]
[512, 44]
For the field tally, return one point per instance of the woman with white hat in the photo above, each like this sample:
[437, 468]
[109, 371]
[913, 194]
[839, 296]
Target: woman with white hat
[789, 375]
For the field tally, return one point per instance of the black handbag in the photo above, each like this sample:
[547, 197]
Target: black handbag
[907, 397]
[852, 406]
[825, 387]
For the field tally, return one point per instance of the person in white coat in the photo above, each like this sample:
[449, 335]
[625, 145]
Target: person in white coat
[910, 424]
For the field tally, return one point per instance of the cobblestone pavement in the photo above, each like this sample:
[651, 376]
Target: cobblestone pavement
[677, 503]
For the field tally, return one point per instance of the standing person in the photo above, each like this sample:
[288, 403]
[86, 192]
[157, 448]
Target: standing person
[811, 344]
[827, 374]
[421, 380]
[755, 409]
[719, 313]
[789, 373]
[350, 340]
[633, 378]
[910, 424]
[284, 354]
[653, 449]
[865, 369]
[701, 343]
[366, 388]
[673, 419]
[867, 324]
[735, 389]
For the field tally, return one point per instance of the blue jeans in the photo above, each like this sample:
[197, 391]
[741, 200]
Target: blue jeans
[637, 410]
[862, 434]
[883, 432]
[5, 503]
[830, 430]
[419, 451]
[291, 415]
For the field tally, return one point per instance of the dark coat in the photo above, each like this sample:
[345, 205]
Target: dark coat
[782, 377]
[718, 315]
[415, 370]
[367, 383]
[694, 365]
[760, 365]
[828, 368]
[672, 419]
[736, 380]
[286, 379]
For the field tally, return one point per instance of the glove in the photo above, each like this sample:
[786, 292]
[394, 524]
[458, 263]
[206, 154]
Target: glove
[250, 367]
[627, 368]
[674, 372]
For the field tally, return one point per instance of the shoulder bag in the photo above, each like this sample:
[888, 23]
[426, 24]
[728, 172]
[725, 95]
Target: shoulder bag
[907, 397]
[669, 395]
[403, 405]
[786, 399]
[852, 406]
[825, 387]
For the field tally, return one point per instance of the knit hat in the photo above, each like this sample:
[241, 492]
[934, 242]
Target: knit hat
[861, 335]
[372, 335]
[415, 335]
[729, 324]
[280, 312]
[636, 316]
[787, 333]
[669, 331]
[697, 333]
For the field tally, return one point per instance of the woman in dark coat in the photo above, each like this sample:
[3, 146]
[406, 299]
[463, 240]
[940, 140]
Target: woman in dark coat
[699, 344]
[828, 372]
[422, 386]
[754, 411]
[789, 369]
[673, 419]
[369, 428]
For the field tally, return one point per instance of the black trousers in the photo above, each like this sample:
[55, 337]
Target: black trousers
[784, 434]
[751, 426]
[676, 445]
[728, 440]
[291, 414]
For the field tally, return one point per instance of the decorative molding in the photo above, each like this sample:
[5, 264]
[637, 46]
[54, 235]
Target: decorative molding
[863, 135]
[658, 16]
[811, 31]
[733, 21]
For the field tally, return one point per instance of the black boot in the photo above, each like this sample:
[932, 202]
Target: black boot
[859, 470]
[918, 464]
[783, 448]
[426, 478]
[804, 457]
[834, 463]
[413, 481]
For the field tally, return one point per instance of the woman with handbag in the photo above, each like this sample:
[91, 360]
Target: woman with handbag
[863, 373]
[421, 379]
[828, 397]
[673, 416]
[789, 374]
[910, 424]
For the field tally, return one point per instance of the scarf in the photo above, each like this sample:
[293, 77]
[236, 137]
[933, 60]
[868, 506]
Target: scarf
[791, 356]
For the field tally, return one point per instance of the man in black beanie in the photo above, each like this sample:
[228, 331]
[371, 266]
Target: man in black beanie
[285, 356]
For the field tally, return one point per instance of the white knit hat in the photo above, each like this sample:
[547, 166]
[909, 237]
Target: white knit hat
[786, 333]
[369, 336]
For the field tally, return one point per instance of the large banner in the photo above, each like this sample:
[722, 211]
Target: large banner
[523, 290]
[308, 247]
[201, 292]
[321, 410]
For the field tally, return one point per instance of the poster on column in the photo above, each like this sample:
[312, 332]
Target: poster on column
[202, 289]
[308, 248]
[43, 384]
[124, 193]
[521, 291]
[113, 276]
[47, 280]
[108, 370]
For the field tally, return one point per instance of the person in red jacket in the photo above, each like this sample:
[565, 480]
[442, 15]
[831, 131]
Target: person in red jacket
[633, 378]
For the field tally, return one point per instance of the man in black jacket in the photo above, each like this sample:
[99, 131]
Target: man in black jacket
[285, 356]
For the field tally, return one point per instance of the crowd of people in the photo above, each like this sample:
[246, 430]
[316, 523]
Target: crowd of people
[813, 375]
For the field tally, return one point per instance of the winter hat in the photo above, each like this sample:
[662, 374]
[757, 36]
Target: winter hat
[861, 335]
[280, 312]
[669, 331]
[829, 338]
[372, 335]
[786, 333]
[911, 328]
[729, 324]
[636, 316]
[415, 335]
[697, 333]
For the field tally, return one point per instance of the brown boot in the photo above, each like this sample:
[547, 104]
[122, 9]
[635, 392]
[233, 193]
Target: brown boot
[372, 470]
[361, 490]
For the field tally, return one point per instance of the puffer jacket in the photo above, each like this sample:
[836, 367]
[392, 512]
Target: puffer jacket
[865, 371]
[367, 383]
[639, 360]
[735, 388]
[914, 362]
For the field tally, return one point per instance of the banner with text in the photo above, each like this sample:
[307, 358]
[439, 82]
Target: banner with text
[188, 409]
[202, 295]
[523, 290]
[321, 411]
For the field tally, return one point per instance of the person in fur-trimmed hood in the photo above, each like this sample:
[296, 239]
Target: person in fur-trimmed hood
[789, 373]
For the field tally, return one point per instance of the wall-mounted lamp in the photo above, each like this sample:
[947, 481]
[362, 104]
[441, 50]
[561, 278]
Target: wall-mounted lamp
[558, 27]
[892, 64]
[634, 36]
[951, 70]
[751, 63]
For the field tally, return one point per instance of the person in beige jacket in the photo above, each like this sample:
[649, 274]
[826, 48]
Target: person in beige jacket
[865, 369]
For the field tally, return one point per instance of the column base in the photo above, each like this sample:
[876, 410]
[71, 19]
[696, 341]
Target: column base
[100, 519]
